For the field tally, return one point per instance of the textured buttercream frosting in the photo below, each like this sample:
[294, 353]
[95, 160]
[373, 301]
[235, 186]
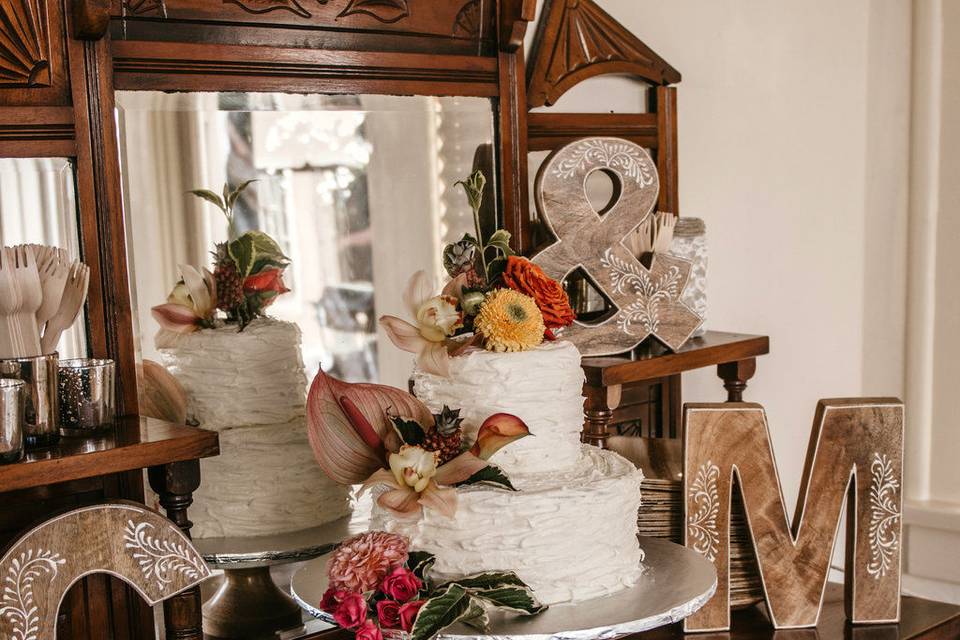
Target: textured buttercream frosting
[571, 535]
[543, 387]
[250, 386]
[570, 531]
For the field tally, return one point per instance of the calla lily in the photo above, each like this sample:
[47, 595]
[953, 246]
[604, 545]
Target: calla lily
[349, 425]
[437, 318]
[496, 432]
[192, 303]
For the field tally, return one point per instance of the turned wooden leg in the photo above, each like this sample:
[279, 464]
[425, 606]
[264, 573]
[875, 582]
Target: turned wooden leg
[735, 376]
[598, 413]
[175, 483]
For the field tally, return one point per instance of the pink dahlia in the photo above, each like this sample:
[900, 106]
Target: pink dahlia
[362, 562]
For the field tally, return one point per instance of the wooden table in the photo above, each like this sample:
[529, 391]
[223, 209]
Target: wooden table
[920, 620]
[610, 380]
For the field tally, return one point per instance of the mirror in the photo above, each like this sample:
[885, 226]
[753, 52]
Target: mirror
[357, 190]
[38, 206]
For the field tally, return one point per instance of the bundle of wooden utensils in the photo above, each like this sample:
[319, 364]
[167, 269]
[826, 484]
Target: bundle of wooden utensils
[41, 294]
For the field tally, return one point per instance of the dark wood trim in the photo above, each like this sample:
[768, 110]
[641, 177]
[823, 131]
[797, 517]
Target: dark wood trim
[512, 150]
[667, 161]
[514, 18]
[549, 131]
[209, 67]
[713, 348]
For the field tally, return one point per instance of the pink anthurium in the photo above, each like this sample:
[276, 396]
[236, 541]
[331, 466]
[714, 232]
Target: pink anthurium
[346, 447]
[437, 318]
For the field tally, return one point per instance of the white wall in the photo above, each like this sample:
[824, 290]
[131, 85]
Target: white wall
[793, 121]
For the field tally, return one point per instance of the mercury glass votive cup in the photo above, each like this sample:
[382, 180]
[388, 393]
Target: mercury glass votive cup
[11, 420]
[87, 396]
[39, 376]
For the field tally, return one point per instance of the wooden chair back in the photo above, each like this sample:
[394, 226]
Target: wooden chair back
[125, 540]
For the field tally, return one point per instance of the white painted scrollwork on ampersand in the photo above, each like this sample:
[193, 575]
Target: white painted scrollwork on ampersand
[18, 604]
[704, 508]
[651, 293]
[598, 153]
[160, 559]
[884, 517]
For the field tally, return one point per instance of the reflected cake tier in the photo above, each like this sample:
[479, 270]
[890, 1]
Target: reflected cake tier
[251, 388]
[571, 535]
[543, 387]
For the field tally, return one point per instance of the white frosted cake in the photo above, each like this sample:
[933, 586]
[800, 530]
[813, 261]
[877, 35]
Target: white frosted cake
[570, 531]
[250, 387]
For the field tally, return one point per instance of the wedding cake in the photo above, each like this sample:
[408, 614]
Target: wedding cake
[569, 531]
[250, 387]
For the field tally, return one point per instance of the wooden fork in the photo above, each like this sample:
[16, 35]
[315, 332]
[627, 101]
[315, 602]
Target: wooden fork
[74, 295]
[9, 305]
[31, 297]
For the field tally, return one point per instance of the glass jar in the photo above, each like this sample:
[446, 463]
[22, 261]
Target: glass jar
[690, 243]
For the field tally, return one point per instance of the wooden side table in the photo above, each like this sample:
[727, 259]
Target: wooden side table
[609, 379]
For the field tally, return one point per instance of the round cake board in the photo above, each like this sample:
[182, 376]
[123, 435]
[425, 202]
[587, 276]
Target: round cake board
[675, 583]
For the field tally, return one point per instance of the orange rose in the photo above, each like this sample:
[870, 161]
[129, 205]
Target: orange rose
[527, 278]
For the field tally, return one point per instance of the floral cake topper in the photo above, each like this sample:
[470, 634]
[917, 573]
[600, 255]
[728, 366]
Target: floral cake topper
[247, 276]
[502, 301]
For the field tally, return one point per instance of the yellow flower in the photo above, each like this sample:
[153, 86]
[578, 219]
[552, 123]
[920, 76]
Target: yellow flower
[509, 321]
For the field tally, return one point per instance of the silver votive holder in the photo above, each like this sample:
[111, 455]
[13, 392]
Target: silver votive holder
[11, 420]
[39, 376]
[87, 396]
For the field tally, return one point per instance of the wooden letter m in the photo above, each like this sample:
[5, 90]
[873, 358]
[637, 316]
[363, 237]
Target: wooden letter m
[855, 454]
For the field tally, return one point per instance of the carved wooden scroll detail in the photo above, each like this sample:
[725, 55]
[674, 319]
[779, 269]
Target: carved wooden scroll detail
[646, 299]
[386, 11]
[258, 7]
[577, 40]
[24, 44]
[133, 543]
[144, 7]
[855, 454]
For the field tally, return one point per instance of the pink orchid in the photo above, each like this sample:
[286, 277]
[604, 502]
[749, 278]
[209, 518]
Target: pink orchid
[437, 318]
[192, 303]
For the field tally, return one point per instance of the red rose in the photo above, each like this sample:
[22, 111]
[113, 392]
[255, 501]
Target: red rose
[368, 631]
[351, 612]
[401, 584]
[267, 280]
[522, 275]
[388, 613]
[332, 599]
[408, 613]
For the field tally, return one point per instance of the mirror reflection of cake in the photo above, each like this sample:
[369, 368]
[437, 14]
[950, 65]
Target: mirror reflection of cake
[250, 387]
[570, 529]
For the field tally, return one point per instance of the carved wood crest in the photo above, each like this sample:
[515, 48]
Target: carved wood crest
[647, 300]
[855, 454]
[133, 543]
[24, 44]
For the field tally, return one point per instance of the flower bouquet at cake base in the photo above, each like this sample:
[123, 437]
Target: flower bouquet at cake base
[494, 299]
[378, 587]
[247, 278]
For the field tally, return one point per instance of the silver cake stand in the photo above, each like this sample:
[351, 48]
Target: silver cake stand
[675, 583]
[248, 603]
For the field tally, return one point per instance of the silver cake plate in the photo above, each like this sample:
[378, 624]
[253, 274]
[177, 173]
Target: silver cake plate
[675, 583]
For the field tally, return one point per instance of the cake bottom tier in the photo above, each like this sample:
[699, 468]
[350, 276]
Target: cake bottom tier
[571, 536]
[265, 481]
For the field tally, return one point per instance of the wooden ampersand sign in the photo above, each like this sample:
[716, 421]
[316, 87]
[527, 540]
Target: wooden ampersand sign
[646, 300]
[855, 454]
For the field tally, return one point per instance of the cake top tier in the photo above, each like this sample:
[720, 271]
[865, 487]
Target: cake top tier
[241, 378]
[543, 387]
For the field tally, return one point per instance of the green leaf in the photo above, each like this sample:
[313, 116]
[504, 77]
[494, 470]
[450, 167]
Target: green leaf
[473, 186]
[420, 562]
[409, 431]
[513, 598]
[253, 248]
[495, 269]
[265, 245]
[243, 253]
[501, 241]
[210, 197]
[476, 616]
[490, 475]
[440, 611]
[488, 580]
[235, 194]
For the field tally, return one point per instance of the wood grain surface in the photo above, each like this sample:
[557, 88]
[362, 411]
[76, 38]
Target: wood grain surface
[127, 541]
[646, 300]
[855, 454]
